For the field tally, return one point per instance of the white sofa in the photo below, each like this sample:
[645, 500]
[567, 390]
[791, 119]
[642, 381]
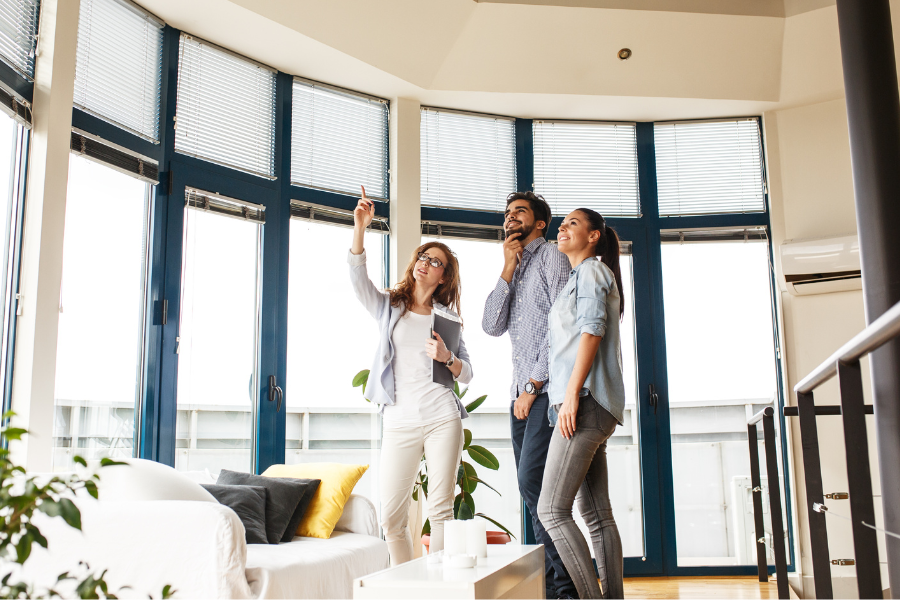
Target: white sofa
[198, 548]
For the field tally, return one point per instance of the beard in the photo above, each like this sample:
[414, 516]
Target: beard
[524, 230]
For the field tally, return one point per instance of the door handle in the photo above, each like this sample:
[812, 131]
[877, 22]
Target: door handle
[275, 391]
[654, 398]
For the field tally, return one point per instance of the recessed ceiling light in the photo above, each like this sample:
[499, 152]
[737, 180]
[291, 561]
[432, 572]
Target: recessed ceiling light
[624, 54]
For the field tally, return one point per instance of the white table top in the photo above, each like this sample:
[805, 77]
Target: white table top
[417, 572]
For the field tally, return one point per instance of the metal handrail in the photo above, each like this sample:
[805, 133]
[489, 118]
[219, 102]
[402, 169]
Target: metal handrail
[881, 331]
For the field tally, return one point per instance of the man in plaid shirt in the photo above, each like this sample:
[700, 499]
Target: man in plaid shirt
[534, 273]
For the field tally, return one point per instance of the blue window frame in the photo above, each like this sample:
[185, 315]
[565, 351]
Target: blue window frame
[179, 171]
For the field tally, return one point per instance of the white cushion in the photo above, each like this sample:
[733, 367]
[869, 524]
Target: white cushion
[204, 476]
[141, 480]
[358, 517]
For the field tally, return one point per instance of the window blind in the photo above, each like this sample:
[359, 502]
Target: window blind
[118, 65]
[468, 161]
[114, 156]
[339, 140]
[229, 207]
[226, 108]
[590, 165]
[333, 216]
[709, 167]
[18, 34]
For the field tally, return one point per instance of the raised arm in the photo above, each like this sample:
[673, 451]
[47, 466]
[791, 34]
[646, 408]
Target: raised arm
[375, 301]
[496, 309]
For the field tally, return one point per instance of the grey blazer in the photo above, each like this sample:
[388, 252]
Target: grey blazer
[380, 388]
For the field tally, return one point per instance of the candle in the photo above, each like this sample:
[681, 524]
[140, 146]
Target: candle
[454, 538]
[460, 561]
[476, 538]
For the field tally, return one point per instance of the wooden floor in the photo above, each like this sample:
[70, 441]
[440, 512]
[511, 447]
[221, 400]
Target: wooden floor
[699, 587]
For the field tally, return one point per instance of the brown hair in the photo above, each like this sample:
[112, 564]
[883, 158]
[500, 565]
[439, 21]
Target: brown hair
[446, 293]
[538, 205]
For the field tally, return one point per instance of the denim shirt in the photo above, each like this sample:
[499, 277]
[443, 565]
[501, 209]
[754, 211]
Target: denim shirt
[588, 304]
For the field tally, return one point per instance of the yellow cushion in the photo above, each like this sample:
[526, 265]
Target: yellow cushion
[338, 481]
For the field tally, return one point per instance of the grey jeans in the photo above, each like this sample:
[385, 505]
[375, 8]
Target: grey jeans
[576, 470]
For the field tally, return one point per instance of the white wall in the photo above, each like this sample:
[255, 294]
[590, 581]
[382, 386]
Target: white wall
[812, 196]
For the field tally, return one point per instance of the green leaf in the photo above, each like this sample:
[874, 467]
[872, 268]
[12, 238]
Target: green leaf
[468, 440]
[465, 513]
[108, 462]
[91, 488]
[484, 516]
[70, 513]
[415, 495]
[483, 457]
[168, 591]
[464, 392]
[426, 528]
[23, 549]
[14, 433]
[8, 415]
[476, 403]
[456, 389]
[361, 378]
[463, 499]
[485, 483]
[79, 460]
[467, 477]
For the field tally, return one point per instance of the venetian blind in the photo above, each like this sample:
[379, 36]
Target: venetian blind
[709, 167]
[339, 140]
[118, 65]
[226, 108]
[587, 164]
[18, 33]
[468, 161]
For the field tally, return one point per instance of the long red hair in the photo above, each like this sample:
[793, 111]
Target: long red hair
[447, 293]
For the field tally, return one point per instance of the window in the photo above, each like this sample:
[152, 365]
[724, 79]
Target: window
[331, 338]
[99, 355]
[339, 140]
[18, 33]
[13, 150]
[480, 264]
[721, 370]
[218, 335]
[118, 65]
[226, 108]
[709, 167]
[591, 165]
[468, 161]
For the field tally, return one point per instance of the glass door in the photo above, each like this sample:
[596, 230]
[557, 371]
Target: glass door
[721, 370]
[217, 345]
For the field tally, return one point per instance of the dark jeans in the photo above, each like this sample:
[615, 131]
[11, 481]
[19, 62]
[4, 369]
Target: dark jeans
[576, 468]
[530, 440]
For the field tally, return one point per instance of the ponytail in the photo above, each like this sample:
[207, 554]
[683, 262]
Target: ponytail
[607, 249]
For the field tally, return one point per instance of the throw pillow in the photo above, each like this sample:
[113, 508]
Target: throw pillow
[283, 496]
[338, 481]
[249, 502]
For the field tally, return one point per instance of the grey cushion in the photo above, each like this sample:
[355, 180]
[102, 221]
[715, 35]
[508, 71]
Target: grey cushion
[283, 498]
[249, 502]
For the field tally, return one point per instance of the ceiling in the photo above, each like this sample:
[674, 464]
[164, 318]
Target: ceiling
[542, 58]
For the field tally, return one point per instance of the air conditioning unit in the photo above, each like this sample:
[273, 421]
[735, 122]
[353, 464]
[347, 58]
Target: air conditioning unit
[821, 265]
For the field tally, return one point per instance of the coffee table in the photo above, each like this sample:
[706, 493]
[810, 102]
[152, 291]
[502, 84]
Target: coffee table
[509, 571]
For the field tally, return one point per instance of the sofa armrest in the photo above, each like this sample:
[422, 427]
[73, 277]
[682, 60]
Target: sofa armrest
[198, 548]
[358, 517]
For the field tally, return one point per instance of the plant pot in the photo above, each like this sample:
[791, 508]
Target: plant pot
[493, 537]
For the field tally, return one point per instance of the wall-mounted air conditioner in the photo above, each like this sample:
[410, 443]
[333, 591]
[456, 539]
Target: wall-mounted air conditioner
[822, 265]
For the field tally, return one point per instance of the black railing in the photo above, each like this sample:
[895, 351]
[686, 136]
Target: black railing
[767, 416]
[845, 365]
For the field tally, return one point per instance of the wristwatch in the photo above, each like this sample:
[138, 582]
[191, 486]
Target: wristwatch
[452, 360]
[532, 389]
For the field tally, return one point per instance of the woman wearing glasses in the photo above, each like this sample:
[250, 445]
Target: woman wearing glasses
[419, 416]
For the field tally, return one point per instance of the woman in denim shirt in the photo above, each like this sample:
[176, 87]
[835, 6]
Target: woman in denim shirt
[587, 400]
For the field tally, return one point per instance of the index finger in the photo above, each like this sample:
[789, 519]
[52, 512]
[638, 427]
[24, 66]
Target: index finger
[364, 193]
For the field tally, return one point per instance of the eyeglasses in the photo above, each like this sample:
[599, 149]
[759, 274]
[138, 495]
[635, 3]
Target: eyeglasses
[434, 262]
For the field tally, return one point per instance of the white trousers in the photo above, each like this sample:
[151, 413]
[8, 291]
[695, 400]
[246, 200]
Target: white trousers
[401, 451]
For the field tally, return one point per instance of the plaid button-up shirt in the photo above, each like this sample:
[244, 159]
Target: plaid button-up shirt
[522, 306]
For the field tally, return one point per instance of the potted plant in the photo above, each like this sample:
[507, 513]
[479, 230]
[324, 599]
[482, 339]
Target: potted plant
[467, 479]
